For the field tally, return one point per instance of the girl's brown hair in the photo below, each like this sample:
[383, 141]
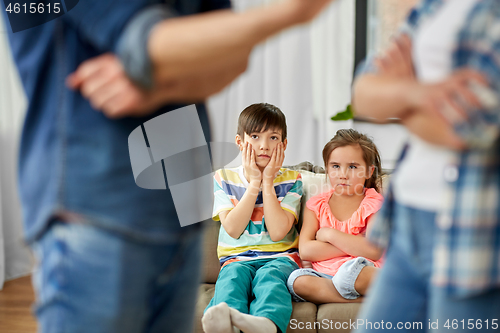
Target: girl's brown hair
[371, 156]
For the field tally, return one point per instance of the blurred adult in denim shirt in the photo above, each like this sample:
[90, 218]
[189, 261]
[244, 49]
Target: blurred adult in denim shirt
[111, 256]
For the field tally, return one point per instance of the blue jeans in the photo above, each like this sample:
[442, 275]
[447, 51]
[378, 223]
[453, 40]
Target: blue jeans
[91, 280]
[402, 295]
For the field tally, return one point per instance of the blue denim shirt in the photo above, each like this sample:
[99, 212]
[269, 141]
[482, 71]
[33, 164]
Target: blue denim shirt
[73, 159]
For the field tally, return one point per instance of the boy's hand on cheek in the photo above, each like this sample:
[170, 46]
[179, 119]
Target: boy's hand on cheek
[251, 170]
[272, 169]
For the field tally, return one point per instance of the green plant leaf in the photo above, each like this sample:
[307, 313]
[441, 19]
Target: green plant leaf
[344, 115]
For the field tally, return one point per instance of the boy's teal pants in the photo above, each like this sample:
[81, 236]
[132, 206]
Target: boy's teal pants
[257, 287]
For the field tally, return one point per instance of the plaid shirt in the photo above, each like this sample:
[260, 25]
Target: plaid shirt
[467, 251]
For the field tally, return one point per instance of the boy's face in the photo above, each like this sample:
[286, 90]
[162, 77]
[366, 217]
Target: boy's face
[263, 143]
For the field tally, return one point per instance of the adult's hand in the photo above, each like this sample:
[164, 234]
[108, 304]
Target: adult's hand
[449, 99]
[103, 81]
[397, 60]
[434, 109]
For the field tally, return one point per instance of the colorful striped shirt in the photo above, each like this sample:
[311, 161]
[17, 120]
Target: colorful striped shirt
[255, 242]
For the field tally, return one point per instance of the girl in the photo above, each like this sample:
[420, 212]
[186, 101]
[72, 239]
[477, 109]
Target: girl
[343, 263]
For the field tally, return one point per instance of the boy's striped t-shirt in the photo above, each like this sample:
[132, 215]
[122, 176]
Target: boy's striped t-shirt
[255, 242]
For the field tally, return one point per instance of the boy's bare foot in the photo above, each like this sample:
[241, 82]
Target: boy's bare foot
[252, 324]
[217, 319]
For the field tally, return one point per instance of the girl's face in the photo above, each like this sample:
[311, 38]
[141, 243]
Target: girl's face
[347, 170]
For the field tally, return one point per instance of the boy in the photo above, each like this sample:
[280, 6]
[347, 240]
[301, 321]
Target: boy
[258, 204]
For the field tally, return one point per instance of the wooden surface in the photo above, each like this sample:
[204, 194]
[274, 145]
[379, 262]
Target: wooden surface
[16, 300]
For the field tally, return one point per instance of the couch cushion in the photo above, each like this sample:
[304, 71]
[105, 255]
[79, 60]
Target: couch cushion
[205, 294]
[312, 184]
[303, 318]
[337, 316]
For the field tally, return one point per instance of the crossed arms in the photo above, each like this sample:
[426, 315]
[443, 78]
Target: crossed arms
[430, 111]
[318, 244]
[192, 58]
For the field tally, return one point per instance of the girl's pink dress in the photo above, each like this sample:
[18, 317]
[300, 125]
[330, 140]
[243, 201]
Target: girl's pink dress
[355, 225]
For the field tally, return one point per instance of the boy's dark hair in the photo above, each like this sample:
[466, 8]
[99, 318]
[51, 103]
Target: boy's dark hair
[371, 156]
[261, 117]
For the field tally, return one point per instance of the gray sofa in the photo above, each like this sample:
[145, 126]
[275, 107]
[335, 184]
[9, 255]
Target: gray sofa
[306, 317]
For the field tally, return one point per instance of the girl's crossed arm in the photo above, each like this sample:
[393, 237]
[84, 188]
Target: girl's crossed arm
[354, 245]
[310, 248]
